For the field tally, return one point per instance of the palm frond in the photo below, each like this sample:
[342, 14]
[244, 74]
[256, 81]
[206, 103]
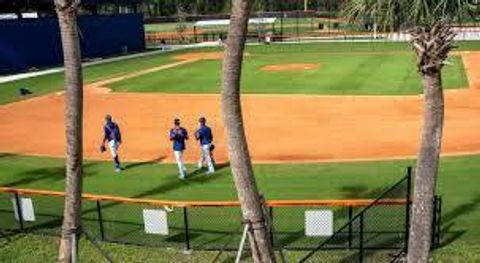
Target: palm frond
[395, 14]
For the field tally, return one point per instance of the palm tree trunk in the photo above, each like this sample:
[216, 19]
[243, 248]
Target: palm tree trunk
[67, 18]
[239, 155]
[432, 45]
[426, 170]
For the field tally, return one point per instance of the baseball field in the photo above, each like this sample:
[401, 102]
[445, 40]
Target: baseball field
[324, 121]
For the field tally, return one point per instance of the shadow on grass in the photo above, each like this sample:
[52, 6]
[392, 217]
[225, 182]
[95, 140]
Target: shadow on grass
[6, 155]
[449, 236]
[51, 223]
[54, 174]
[448, 221]
[173, 183]
[139, 164]
[6, 237]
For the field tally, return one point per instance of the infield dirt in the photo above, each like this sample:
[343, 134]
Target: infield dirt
[280, 128]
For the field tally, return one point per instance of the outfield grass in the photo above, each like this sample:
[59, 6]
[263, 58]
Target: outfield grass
[206, 80]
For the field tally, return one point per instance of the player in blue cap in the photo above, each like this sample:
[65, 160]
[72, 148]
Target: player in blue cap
[178, 136]
[113, 137]
[205, 137]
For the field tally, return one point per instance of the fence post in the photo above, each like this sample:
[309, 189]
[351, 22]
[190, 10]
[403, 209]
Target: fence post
[350, 228]
[195, 34]
[281, 26]
[100, 220]
[186, 229]
[436, 222]
[298, 30]
[407, 207]
[19, 211]
[270, 212]
[361, 252]
[439, 222]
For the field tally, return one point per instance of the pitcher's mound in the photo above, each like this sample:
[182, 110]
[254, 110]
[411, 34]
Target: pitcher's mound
[289, 67]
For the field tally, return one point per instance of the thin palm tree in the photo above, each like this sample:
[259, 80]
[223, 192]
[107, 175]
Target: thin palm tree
[67, 19]
[239, 155]
[430, 26]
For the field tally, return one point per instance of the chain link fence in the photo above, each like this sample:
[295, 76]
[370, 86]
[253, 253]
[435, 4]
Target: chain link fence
[376, 227]
[315, 24]
[359, 228]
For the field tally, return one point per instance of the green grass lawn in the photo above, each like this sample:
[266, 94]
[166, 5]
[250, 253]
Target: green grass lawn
[375, 74]
[457, 184]
[54, 82]
[35, 248]
[166, 27]
[341, 72]
[345, 68]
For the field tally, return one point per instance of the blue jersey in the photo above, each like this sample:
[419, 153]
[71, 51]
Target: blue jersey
[178, 137]
[204, 135]
[112, 132]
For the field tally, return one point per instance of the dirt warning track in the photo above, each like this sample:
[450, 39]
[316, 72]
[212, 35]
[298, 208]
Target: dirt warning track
[280, 128]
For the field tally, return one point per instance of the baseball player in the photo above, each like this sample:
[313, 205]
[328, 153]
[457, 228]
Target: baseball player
[114, 139]
[178, 136]
[205, 137]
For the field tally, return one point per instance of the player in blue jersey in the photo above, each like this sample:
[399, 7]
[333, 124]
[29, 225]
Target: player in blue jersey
[113, 137]
[178, 136]
[205, 137]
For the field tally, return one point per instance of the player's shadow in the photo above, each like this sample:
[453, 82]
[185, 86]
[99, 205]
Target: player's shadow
[5, 155]
[146, 163]
[201, 171]
[197, 176]
[51, 174]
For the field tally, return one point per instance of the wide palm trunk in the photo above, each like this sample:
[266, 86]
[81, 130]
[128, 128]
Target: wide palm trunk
[67, 18]
[432, 45]
[239, 155]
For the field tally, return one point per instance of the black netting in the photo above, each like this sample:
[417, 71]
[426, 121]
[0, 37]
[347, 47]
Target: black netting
[7, 218]
[373, 233]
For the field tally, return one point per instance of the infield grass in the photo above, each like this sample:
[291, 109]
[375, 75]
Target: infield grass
[342, 71]
[337, 74]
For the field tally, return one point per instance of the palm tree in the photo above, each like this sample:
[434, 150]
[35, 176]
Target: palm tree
[239, 155]
[432, 38]
[67, 19]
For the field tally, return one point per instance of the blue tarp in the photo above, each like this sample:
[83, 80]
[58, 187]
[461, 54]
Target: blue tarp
[28, 43]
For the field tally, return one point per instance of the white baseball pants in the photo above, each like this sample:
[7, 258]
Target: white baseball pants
[205, 158]
[181, 165]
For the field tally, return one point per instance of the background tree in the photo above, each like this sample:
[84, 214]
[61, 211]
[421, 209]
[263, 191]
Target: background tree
[67, 19]
[430, 26]
[181, 26]
[239, 155]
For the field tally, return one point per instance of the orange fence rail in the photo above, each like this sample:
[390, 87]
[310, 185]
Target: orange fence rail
[154, 202]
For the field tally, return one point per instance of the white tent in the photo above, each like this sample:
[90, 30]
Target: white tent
[226, 22]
